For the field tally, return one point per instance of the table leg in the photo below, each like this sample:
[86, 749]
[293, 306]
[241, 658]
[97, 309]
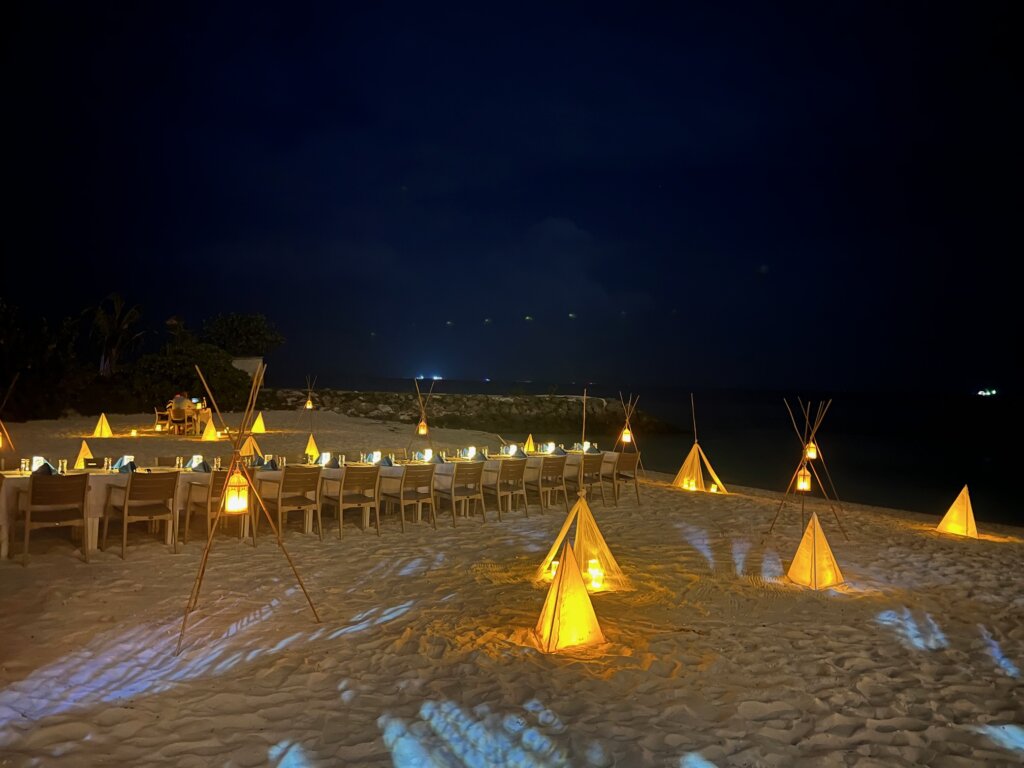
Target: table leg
[92, 533]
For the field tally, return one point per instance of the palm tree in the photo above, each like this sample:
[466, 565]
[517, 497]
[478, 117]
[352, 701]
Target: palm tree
[112, 324]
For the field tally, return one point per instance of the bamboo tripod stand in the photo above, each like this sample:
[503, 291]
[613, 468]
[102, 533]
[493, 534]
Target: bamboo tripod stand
[628, 408]
[237, 465]
[808, 438]
[423, 416]
[6, 443]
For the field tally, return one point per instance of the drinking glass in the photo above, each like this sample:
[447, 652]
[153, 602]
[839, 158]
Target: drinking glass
[179, 462]
[216, 463]
[25, 464]
[62, 466]
[282, 462]
[108, 463]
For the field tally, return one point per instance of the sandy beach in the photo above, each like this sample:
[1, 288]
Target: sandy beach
[425, 655]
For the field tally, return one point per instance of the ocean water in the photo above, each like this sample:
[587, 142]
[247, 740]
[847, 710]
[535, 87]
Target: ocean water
[900, 450]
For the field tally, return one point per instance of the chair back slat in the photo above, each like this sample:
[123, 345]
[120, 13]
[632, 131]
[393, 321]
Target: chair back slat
[592, 463]
[627, 461]
[156, 486]
[553, 466]
[468, 473]
[418, 475]
[217, 479]
[298, 480]
[512, 470]
[66, 490]
[360, 478]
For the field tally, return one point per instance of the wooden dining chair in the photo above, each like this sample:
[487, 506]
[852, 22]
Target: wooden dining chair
[358, 488]
[550, 479]
[54, 500]
[298, 490]
[624, 470]
[591, 475]
[467, 485]
[146, 498]
[509, 485]
[161, 418]
[178, 421]
[415, 478]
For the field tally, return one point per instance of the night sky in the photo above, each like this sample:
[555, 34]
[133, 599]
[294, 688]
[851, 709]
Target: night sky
[724, 195]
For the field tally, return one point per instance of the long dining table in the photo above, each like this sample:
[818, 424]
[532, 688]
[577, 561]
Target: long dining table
[96, 497]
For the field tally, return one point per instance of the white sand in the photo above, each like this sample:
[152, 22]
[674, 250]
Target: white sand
[423, 655]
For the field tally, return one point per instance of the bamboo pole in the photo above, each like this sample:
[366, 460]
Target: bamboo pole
[237, 464]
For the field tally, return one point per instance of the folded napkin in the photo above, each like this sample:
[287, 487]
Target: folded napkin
[257, 461]
[268, 465]
[593, 449]
[333, 463]
[559, 451]
[386, 462]
[126, 468]
[436, 459]
[46, 468]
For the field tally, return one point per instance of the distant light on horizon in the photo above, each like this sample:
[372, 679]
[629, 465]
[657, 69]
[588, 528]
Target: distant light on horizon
[986, 392]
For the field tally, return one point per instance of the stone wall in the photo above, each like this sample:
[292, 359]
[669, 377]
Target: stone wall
[496, 413]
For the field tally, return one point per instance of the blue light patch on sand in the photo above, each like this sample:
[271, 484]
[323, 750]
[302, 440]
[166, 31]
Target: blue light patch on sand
[740, 547]
[448, 735]
[287, 754]
[694, 760]
[1006, 736]
[771, 566]
[926, 636]
[698, 539]
[996, 652]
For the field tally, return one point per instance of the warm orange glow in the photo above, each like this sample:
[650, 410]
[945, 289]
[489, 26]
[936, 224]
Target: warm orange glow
[959, 518]
[529, 446]
[627, 436]
[596, 574]
[421, 428]
[567, 618]
[210, 432]
[691, 477]
[250, 447]
[309, 404]
[311, 449]
[811, 452]
[602, 570]
[258, 427]
[83, 454]
[554, 569]
[236, 500]
[135, 433]
[814, 565]
[714, 487]
[159, 427]
[102, 427]
[803, 480]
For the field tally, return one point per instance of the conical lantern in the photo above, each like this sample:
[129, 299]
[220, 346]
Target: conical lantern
[236, 499]
[421, 428]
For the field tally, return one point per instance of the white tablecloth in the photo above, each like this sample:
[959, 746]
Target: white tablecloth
[99, 482]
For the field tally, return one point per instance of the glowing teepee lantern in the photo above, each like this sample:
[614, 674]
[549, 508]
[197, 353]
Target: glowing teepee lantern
[529, 446]
[311, 450]
[83, 454]
[250, 447]
[102, 427]
[814, 565]
[567, 619]
[236, 499]
[603, 572]
[626, 436]
[258, 427]
[421, 428]
[690, 476]
[959, 518]
[210, 432]
[803, 480]
[811, 451]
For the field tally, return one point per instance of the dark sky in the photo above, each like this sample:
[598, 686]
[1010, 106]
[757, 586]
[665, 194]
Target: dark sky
[725, 194]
